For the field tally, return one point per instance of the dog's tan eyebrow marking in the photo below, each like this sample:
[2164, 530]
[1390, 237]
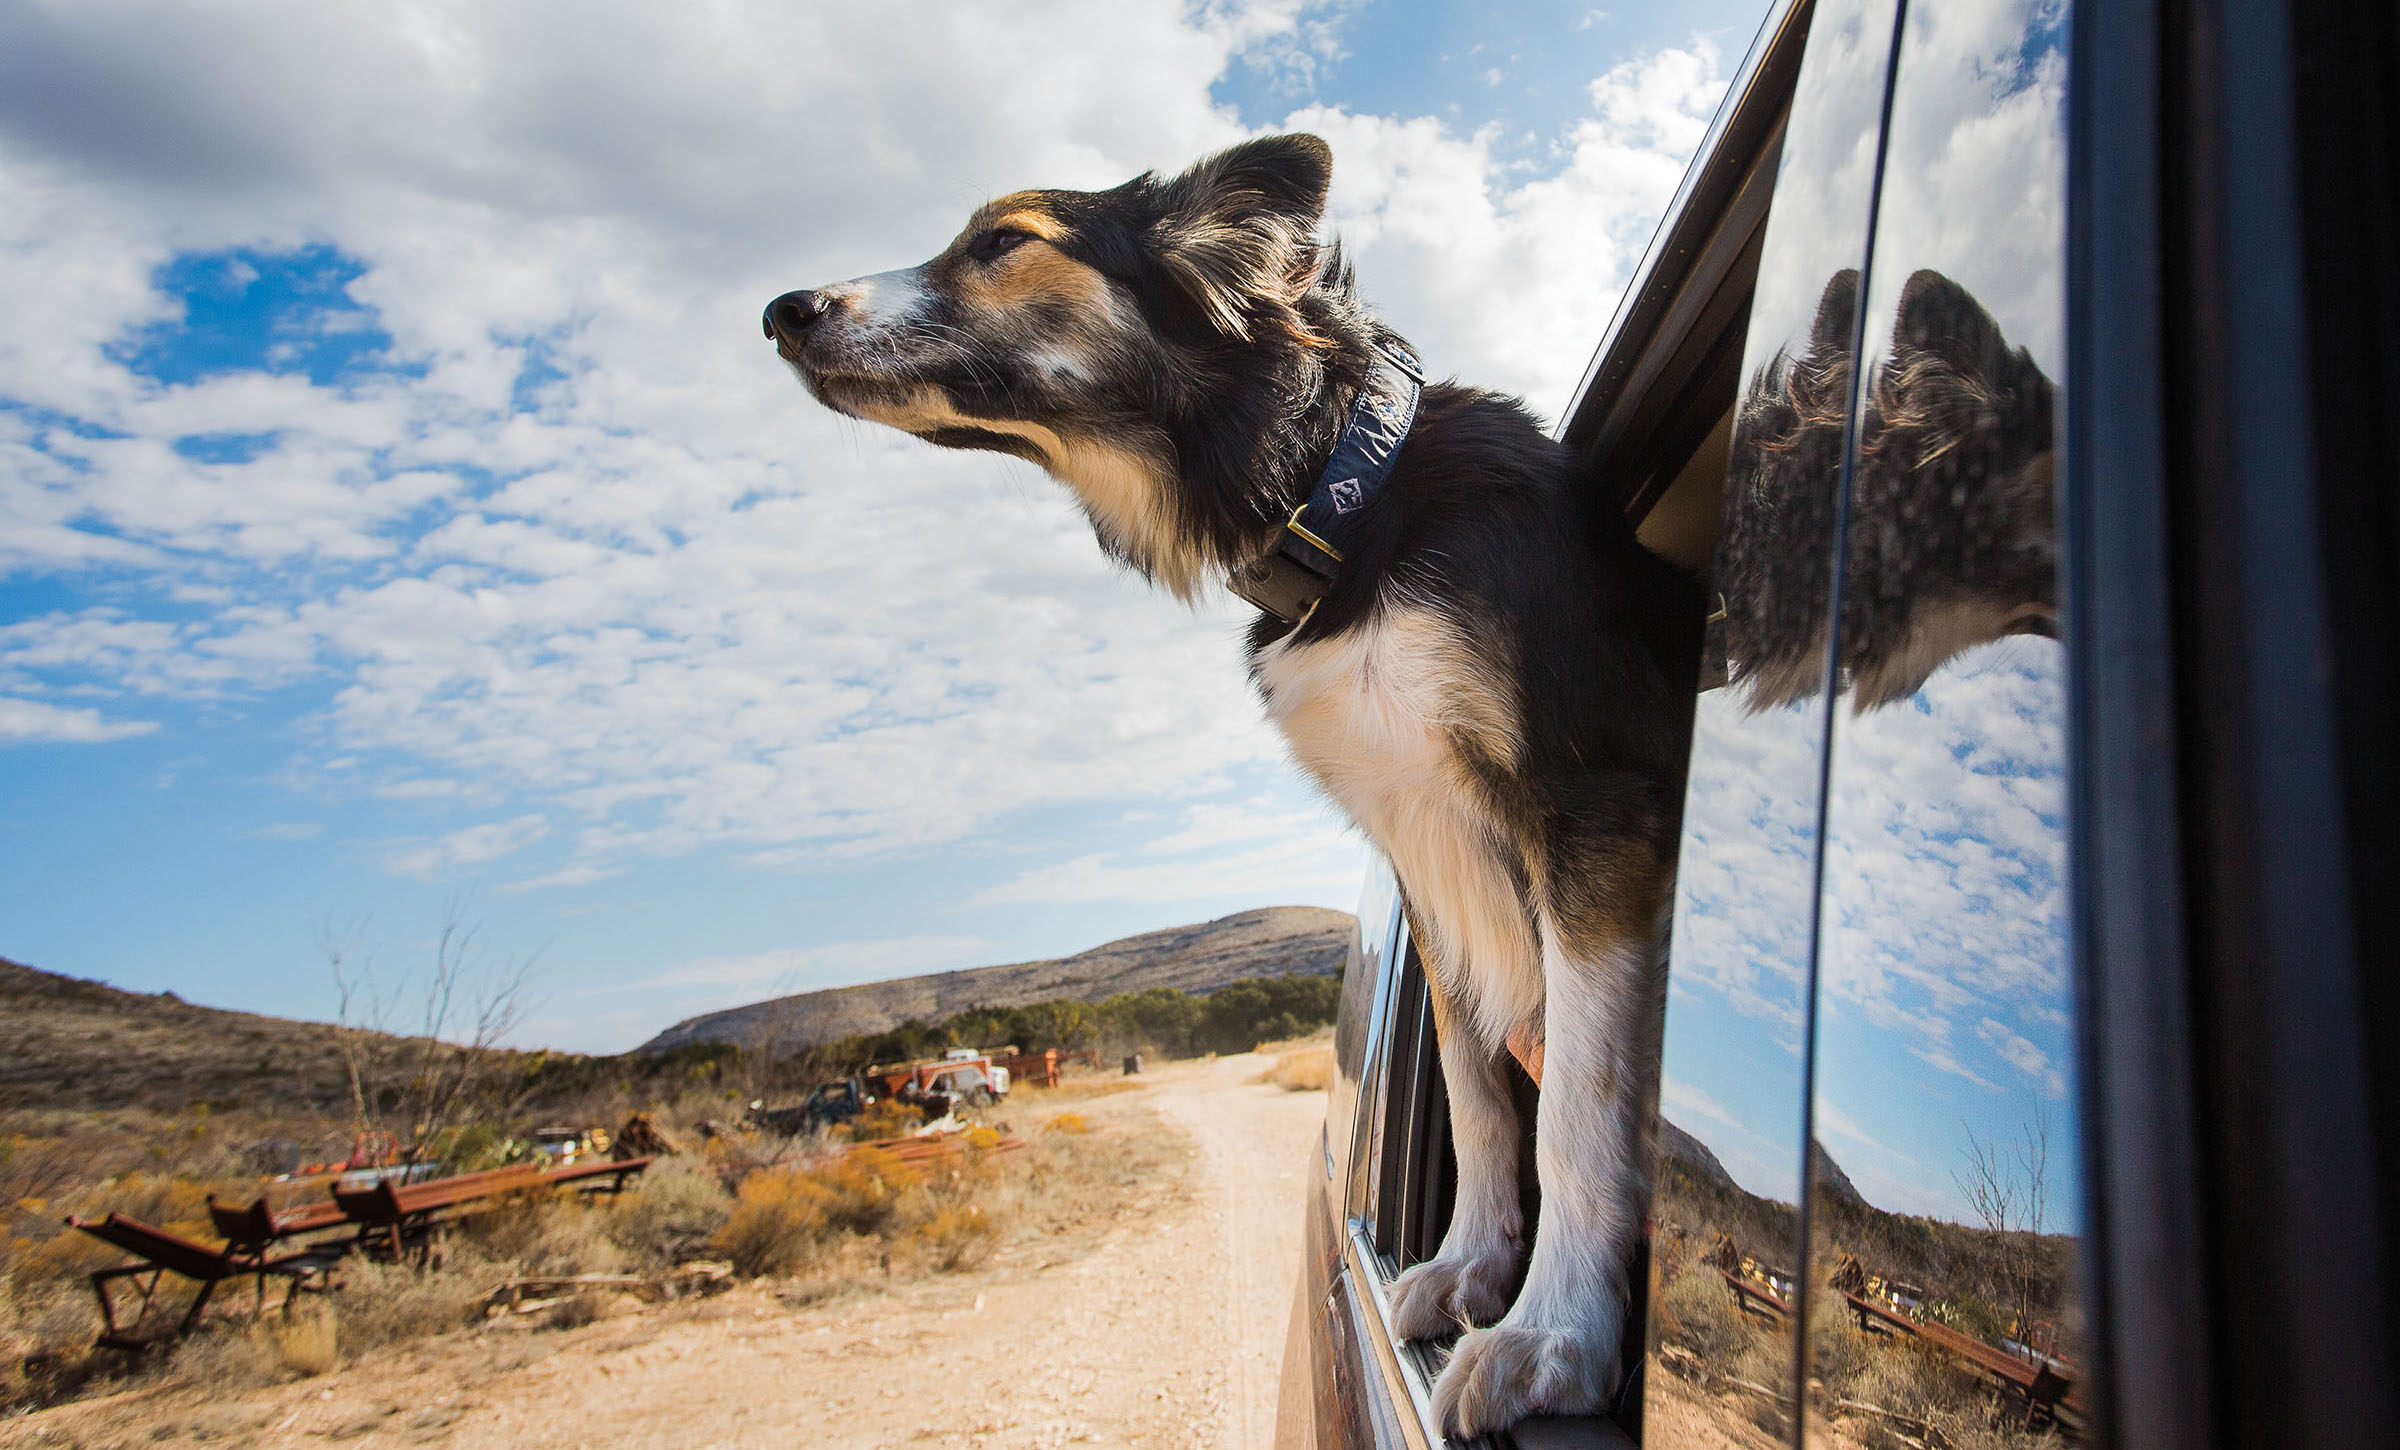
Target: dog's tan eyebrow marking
[1019, 211]
[1032, 222]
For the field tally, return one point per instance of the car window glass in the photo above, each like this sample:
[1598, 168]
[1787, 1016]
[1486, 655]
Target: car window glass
[1378, 908]
[1726, 1236]
[1945, 1193]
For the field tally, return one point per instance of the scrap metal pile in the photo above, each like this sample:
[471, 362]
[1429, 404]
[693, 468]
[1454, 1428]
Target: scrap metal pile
[384, 1212]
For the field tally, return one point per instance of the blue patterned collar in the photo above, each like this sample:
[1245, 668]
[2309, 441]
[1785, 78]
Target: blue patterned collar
[1299, 568]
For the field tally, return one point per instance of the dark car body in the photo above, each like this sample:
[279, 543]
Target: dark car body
[2022, 378]
[827, 1104]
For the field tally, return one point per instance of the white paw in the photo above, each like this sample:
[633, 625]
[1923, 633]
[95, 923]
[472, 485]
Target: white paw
[1442, 1295]
[1500, 1375]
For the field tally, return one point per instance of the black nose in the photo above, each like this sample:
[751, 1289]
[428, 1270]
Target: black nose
[789, 317]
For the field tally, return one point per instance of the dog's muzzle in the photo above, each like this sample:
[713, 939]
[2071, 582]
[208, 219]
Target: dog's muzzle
[789, 317]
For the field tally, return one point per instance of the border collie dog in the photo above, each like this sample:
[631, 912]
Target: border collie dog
[1474, 658]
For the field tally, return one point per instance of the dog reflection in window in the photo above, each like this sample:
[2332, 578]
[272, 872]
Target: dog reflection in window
[1951, 536]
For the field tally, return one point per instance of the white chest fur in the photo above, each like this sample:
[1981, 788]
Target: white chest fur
[1379, 715]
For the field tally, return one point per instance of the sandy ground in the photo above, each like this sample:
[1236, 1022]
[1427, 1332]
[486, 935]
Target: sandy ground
[1163, 1326]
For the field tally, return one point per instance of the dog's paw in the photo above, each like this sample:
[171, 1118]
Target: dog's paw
[1443, 1295]
[1500, 1375]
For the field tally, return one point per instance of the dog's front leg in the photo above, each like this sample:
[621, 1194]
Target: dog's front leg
[1557, 1350]
[1467, 1281]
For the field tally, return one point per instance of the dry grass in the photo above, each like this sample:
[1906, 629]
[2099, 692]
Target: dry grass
[1301, 1070]
[1322, 1037]
[885, 1118]
[1083, 1086]
[866, 1214]
[670, 1213]
[306, 1342]
[825, 1227]
[1908, 1382]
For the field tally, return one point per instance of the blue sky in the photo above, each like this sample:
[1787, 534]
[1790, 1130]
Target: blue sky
[397, 504]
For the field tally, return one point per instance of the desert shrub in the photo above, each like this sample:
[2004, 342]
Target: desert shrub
[59, 1257]
[867, 1206]
[777, 1221]
[956, 1237]
[543, 1233]
[863, 1188]
[237, 1355]
[885, 1118]
[1839, 1351]
[1306, 1069]
[1695, 1310]
[671, 1213]
[307, 1342]
[384, 1304]
[1067, 1123]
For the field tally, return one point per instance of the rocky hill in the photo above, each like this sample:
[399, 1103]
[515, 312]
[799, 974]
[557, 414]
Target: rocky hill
[70, 1043]
[1677, 1146]
[1272, 941]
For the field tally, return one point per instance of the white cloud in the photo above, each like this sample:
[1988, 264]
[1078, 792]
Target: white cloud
[740, 978]
[566, 876]
[1263, 850]
[472, 846]
[1744, 877]
[26, 722]
[2022, 1054]
[1687, 1104]
[669, 601]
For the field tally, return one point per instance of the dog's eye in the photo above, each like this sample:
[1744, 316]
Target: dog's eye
[999, 242]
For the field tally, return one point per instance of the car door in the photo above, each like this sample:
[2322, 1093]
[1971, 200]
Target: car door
[1870, 1183]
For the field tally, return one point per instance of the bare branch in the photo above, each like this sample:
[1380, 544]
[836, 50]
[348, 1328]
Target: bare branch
[466, 1009]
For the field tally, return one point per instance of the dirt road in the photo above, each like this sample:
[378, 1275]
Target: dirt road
[1164, 1329]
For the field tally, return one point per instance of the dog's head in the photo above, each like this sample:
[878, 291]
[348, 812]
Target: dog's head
[1150, 345]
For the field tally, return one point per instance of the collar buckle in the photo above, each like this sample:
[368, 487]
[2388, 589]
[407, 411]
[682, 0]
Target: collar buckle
[1299, 568]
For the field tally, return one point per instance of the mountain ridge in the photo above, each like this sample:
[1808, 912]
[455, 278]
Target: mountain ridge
[1268, 941]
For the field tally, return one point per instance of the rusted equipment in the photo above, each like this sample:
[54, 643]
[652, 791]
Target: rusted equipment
[1754, 1297]
[1037, 1068]
[252, 1228]
[641, 1137]
[828, 1104]
[559, 1147]
[926, 1149]
[1763, 1291]
[586, 1177]
[2045, 1385]
[1726, 1254]
[388, 1214]
[160, 1253]
[964, 1074]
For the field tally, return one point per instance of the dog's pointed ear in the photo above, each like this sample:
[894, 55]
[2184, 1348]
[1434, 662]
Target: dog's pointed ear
[1237, 230]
